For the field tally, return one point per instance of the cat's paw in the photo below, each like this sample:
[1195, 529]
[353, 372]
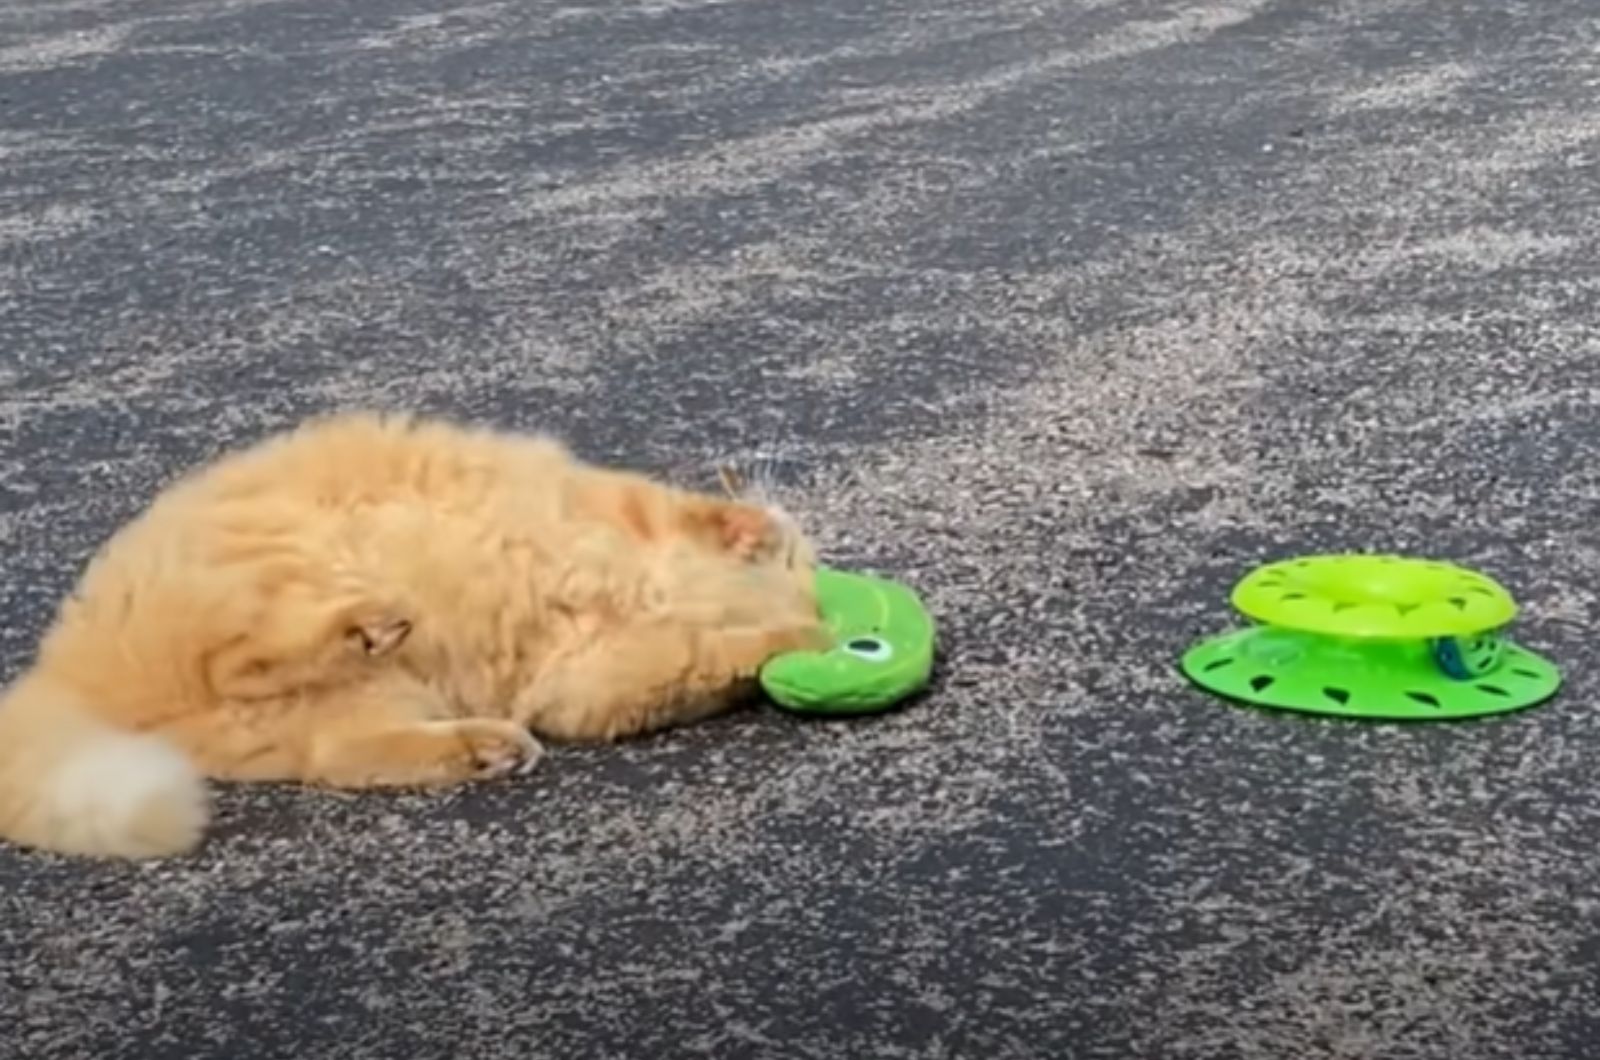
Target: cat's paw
[494, 748]
[425, 754]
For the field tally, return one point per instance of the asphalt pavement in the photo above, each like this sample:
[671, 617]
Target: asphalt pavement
[1069, 312]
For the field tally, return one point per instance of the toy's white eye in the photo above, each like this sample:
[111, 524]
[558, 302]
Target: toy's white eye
[870, 648]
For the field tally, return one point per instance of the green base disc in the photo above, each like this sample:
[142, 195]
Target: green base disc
[1393, 680]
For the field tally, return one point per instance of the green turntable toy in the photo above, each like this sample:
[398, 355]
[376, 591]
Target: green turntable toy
[1375, 637]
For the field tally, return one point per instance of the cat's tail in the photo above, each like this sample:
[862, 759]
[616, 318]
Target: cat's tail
[73, 784]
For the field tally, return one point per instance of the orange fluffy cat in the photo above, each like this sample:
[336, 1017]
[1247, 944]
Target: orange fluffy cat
[372, 601]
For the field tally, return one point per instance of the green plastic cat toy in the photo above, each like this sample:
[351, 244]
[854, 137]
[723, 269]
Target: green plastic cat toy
[882, 653]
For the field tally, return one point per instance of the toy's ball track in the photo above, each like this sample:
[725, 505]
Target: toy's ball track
[1375, 637]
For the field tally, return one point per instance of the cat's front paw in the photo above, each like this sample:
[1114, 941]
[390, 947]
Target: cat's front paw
[494, 748]
[424, 754]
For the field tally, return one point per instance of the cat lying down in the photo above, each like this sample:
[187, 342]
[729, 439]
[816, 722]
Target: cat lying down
[378, 601]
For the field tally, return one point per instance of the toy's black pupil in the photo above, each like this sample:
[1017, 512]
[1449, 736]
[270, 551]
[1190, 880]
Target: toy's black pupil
[863, 644]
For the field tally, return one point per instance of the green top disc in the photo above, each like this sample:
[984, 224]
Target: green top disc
[1387, 597]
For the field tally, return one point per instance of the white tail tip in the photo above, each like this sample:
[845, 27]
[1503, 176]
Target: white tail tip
[122, 796]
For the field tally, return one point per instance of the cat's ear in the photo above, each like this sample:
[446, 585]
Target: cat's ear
[745, 530]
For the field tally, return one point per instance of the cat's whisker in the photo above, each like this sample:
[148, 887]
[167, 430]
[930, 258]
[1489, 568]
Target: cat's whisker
[733, 483]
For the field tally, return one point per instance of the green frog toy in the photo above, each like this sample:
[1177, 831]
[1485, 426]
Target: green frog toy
[882, 652]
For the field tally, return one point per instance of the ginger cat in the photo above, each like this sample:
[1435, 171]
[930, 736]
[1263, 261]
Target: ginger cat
[373, 601]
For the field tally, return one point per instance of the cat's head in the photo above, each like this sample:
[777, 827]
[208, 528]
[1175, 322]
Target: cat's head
[761, 533]
[757, 525]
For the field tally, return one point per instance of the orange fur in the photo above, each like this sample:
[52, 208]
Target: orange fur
[372, 601]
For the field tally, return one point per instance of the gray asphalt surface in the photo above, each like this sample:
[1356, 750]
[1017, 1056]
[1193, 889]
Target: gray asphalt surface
[1067, 311]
